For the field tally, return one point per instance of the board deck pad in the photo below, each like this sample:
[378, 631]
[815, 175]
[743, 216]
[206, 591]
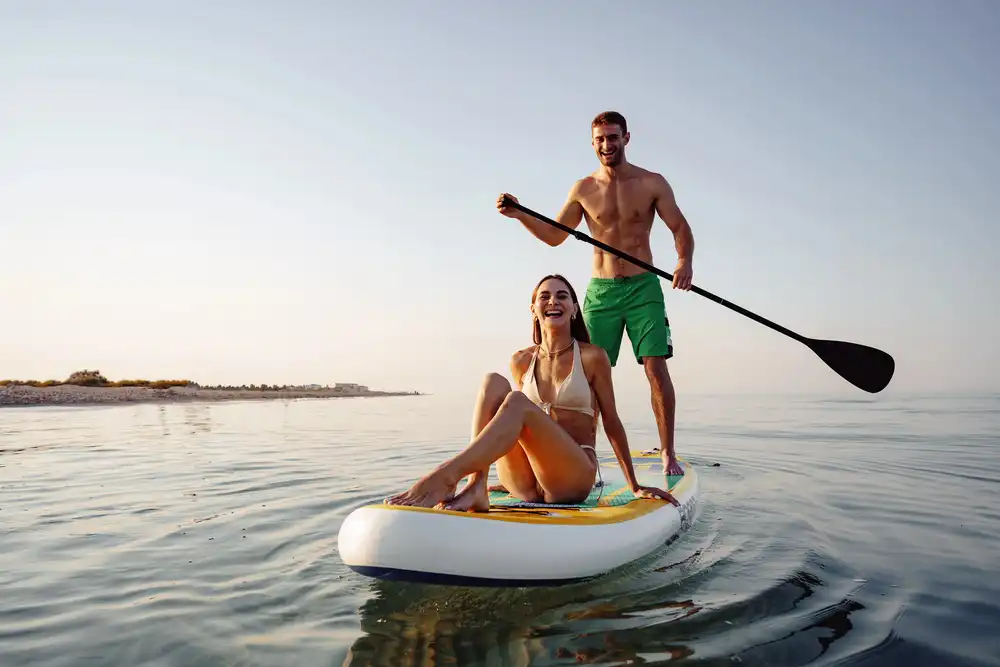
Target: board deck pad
[609, 493]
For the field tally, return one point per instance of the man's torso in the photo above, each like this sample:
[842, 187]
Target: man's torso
[620, 214]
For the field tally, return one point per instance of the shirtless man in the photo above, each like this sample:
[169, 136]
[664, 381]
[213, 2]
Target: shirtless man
[618, 201]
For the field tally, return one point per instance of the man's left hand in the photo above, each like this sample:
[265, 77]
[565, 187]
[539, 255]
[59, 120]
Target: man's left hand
[682, 276]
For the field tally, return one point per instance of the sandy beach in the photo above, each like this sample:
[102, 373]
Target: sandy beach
[23, 395]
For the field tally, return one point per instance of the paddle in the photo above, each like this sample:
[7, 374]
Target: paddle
[867, 368]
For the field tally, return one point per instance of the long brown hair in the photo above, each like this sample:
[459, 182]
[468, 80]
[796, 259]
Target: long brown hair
[577, 327]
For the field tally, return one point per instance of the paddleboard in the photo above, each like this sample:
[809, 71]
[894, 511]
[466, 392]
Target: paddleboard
[517, 543]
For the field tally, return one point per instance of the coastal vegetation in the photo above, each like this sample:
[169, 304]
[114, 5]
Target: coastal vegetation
[93, 387]
[89, 378]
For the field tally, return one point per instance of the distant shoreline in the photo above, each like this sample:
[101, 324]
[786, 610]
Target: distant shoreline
[19, 395]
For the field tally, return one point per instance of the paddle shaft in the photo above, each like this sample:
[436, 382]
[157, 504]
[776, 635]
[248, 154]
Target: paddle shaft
[649, 267]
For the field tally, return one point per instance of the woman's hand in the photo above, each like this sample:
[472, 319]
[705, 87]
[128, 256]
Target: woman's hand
[653, 492]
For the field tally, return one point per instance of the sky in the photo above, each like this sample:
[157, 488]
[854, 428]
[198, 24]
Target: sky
[263, 192]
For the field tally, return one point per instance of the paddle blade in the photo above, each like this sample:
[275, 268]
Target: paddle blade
[865, 367]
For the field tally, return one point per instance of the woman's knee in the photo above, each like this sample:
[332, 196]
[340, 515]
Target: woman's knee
[515, 400]
[495, 384]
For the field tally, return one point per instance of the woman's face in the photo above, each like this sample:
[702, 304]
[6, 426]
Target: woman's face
[553, 304]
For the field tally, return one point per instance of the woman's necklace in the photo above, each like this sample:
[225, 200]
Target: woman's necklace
[553, 355]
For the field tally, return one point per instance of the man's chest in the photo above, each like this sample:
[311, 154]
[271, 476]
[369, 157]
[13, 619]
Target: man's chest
[612, 206]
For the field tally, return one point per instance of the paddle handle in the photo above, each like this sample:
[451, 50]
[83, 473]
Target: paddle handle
[649, 267]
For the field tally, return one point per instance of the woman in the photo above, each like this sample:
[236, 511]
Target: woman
[541, 437]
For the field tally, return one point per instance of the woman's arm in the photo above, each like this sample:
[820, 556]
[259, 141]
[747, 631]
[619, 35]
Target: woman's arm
[605, 391]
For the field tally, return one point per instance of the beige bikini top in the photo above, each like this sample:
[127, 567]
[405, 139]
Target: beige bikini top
[573, 393]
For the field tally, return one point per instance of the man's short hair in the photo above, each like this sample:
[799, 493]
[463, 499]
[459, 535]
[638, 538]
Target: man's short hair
[610, 118]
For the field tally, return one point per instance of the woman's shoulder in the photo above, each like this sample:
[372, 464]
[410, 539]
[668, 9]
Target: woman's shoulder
[519, 362]
[522, 357]
[593, 353]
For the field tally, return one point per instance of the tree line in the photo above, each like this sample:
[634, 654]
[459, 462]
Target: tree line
[88, 378]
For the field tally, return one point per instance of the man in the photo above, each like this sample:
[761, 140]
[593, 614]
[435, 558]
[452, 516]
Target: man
[618, 201]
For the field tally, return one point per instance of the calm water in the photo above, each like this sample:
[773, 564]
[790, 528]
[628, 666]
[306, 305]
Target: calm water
[861, 532]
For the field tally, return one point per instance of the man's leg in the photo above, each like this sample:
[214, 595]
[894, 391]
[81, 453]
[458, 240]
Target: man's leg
[664, 408]
[649, 331]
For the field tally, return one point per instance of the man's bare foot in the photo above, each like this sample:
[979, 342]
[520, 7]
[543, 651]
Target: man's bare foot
[428, 492]
[497, 487]
[671, 466]
[473, 498]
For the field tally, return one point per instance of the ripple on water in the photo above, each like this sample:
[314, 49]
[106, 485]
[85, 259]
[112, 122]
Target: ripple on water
[845, 532]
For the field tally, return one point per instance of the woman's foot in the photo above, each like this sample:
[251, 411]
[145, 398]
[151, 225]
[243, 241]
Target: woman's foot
[428, 492]
[473, 498]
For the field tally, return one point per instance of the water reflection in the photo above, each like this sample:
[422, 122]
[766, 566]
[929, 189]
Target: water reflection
[408, 624]
[164, 422]
[198, 418]
[608, 621]
[411, 625]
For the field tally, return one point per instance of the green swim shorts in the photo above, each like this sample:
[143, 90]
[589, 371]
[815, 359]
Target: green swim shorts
[634, 304]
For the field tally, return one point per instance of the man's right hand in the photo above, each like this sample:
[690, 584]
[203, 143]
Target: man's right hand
[507, 210]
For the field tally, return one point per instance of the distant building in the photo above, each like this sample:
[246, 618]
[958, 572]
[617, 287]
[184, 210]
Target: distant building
[349, 387]
[312, 387]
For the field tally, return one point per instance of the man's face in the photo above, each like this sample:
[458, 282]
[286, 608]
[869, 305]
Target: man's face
[609, 143]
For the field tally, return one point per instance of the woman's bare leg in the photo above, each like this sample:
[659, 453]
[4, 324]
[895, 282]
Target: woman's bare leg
[517, 476]
[513, 468]
[492, 393]
[475, 495]
[561, 467]
[491, 396]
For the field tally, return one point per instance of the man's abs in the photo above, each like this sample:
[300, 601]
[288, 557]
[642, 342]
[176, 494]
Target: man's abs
[608, 265]
[619, 214]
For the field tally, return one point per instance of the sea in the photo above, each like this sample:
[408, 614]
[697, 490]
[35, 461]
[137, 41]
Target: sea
[834, 531]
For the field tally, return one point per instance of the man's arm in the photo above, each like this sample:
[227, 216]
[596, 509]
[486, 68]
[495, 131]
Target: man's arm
[670, 213]
[570, 215]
